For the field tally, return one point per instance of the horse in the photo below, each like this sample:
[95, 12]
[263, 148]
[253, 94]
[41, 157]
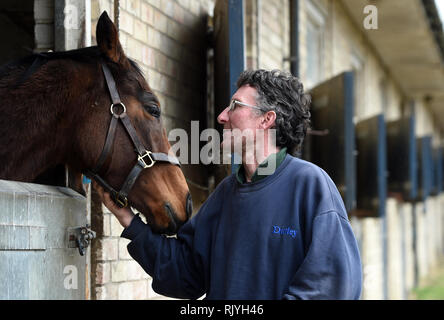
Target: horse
[92, 110]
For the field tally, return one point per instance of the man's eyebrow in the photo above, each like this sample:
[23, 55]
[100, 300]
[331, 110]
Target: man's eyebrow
[240, 101]
[237, 99]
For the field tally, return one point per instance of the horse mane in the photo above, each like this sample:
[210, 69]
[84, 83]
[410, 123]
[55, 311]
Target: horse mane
[33, 62]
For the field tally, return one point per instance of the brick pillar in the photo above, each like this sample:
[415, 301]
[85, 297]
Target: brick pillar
[44, 25]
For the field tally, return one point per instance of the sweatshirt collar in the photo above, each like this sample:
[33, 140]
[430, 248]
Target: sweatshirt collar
[278, 157]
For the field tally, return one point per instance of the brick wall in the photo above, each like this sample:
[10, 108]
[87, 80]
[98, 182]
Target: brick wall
[274, 35]
[406, 211]
[371, 257]
[114, 274]
[167, 39]
[267, 25]
[395, 249]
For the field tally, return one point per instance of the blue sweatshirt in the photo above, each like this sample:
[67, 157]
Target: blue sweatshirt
[286, 236]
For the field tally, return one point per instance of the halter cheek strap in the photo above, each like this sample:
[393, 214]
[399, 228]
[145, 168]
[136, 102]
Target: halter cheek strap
[145, 159]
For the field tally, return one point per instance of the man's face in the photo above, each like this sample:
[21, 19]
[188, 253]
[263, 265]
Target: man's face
[242, 118]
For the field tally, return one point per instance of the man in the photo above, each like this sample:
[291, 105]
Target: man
[281, 235]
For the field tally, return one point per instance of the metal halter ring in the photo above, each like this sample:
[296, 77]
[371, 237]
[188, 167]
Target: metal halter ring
[142, 161]
[120, 103]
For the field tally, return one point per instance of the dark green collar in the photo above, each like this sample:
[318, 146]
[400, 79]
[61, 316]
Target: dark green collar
[278, 157]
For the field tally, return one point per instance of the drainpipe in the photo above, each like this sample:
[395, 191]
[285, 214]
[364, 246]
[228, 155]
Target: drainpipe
[236, 53]
[294, 37]
[259, 31]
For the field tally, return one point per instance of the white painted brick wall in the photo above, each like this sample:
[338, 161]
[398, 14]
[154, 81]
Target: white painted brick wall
[407, 212]
[371, 257]
[394, 250]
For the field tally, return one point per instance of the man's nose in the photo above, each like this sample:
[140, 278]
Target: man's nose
[223, 116]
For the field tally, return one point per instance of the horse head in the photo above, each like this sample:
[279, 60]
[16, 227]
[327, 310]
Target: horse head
[138, 150]
[93, 110]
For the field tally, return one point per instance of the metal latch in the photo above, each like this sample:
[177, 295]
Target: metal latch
[80, 238]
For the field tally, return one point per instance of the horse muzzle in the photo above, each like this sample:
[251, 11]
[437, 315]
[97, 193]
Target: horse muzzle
[175, 223]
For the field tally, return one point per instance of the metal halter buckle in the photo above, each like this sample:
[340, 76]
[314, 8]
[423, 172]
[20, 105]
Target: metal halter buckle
[142, 162]
[121, 201]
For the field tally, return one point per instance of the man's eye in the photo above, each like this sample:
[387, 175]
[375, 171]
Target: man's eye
[153, 110]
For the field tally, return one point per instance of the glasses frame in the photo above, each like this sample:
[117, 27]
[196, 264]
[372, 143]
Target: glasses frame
[233, 103]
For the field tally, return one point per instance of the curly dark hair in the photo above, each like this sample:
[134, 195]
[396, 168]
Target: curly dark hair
[283, 93]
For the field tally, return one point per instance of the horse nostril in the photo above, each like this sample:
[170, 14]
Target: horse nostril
[189, 206]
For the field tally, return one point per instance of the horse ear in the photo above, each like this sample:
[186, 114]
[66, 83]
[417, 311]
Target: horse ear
[108, 40]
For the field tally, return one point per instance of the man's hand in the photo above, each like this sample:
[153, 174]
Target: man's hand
[124, 215]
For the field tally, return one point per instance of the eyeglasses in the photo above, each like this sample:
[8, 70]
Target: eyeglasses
[233, 103]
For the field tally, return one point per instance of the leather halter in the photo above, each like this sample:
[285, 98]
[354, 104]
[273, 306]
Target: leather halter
[145, 158]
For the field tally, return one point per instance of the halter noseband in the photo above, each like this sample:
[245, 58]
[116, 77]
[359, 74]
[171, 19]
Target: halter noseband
[145, 158]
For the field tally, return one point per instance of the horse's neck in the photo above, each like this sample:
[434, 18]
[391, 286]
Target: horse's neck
[28, 155]
[30, 135]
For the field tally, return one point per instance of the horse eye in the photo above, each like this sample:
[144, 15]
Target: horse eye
[153, 110]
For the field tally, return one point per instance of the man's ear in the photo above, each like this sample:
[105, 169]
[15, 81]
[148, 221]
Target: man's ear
[268, 120]
[108, 40]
